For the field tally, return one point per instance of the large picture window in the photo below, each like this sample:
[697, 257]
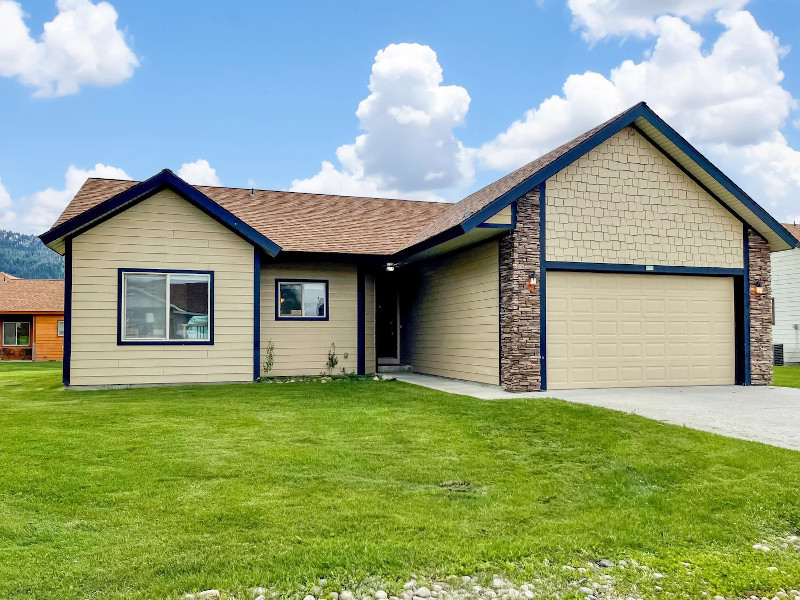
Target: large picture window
[165, 307]
[16, 333]
[302, 299]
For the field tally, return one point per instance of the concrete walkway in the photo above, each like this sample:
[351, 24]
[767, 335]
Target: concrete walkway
[763, 414]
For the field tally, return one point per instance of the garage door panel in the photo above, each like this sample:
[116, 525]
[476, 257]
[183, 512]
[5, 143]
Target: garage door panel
[631, 330]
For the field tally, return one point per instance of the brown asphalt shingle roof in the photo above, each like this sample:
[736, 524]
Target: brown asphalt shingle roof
[794, 229]
[460, 211]
[300, 222]
[31, 295]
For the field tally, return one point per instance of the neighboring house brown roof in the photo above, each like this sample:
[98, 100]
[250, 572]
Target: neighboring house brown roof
[794, 229]
[300, 222]
[31, 295]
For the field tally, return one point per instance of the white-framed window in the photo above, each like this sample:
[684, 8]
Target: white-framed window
[16, 333]
[60, 326]
[301, 299]
[165, 307]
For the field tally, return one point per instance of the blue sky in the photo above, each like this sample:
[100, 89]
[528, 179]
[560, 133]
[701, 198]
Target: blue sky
[264, 92]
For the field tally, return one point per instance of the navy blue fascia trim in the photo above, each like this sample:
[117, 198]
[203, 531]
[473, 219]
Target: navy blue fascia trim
[495, 226]
[719, 176]
[165, 179]
[647, 269]
[690, 175]
[542, 287]
[361, 319]
[545, 173]
[641, 110]
[439, 238]
[746, 290]
[256, 313]
[121, 342]
[65, 365]
[512, 225]
[278, 316]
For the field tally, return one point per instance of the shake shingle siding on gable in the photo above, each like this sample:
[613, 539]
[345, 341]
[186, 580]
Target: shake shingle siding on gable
[625, 202]
[621, 203]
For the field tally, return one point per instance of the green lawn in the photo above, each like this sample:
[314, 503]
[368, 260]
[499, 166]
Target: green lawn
[151, 493]
[786, 376]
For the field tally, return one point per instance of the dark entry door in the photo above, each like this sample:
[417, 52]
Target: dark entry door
[387, 320]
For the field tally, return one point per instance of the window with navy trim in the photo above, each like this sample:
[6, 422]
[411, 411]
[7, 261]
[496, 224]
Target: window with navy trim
[173, 306]
[302, 299]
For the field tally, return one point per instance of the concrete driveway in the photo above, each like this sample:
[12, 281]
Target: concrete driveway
[762, 414]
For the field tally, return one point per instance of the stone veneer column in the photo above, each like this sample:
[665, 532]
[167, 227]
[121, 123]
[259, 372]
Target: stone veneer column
[520, 324]
[760, 312]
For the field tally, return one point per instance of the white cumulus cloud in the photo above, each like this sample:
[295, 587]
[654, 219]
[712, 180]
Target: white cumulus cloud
[598, 19]
[728, 101]
[37, 213]
[199, 172]
[6, 215]
[409, 148]
[80, 46]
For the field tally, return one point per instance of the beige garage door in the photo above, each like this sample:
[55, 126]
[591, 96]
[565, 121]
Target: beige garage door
[620, 330]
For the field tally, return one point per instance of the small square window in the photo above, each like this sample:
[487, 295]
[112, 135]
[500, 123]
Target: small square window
[303, 300]
[61, 329]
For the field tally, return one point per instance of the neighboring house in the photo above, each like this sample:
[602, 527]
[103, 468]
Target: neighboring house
[31, 318]
[786, 292]
[622, 258]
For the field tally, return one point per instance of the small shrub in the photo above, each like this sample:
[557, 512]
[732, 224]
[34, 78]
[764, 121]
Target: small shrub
[269, 358]
[333, 360]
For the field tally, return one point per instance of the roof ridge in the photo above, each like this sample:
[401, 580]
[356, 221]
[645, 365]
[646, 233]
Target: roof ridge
[248, 189]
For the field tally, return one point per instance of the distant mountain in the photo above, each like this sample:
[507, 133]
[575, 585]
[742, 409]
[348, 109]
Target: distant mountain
[26, 256]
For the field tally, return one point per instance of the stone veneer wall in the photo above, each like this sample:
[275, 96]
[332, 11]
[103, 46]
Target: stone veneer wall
[760, 312]
[520, 348]
[625, 202]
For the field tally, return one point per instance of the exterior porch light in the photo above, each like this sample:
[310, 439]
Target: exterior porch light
[758, 288]
[532, 282]
[389, 267]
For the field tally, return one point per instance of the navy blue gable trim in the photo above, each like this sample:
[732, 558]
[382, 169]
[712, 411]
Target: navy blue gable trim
[542, 288]
[629, 117]
[163, 180]
[256, 314]
[674, 137]
[554, 167]
[65, 365]
[361, 320]
[648, 269]
[746, 302]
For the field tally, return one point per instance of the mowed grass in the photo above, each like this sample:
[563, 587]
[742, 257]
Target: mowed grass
[786, 376]
[151, 493]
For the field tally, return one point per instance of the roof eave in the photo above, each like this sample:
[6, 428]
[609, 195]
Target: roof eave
[744, 206]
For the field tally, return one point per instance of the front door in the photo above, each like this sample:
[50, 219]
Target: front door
[387, 320]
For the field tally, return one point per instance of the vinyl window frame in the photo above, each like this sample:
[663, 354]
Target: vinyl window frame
[280, 317]
[60, 328]
[121, 341]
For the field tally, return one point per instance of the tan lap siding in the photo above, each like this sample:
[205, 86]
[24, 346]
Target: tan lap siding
[301, 347]
[625, 202]
[369, 323]
[161, 232]
[456, 316]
